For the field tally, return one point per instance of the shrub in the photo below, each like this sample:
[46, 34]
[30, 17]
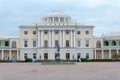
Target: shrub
[84, 60]
[28, 60]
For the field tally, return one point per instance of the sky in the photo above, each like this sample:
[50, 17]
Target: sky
[103, 14]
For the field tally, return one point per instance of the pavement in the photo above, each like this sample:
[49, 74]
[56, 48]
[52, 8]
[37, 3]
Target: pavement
[79, 71]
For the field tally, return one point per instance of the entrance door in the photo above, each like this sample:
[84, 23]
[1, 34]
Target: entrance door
[67, 56]
[45, 56]
[78, 57]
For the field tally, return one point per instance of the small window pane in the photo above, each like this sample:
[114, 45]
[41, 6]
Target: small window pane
[34, 43]
[25, 32]
[78, 32]
[87, 32]
[67, 32]
[45, 32]
[34, 32]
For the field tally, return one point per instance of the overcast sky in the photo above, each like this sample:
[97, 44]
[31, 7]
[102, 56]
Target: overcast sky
[103, 14]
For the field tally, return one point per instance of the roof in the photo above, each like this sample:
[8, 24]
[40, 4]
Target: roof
[57, 14]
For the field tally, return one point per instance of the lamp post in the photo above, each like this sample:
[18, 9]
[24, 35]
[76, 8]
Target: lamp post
[58, 54]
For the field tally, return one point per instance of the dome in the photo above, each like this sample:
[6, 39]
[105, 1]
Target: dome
[56, 16]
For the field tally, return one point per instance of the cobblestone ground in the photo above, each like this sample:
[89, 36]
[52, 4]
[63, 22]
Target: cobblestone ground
[80, 71]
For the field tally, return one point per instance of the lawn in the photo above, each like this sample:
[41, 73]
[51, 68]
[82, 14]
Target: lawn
[58, 63]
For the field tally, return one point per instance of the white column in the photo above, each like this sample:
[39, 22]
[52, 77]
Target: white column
[60, 39]
[2, 54]
[74, 39]
[117, 51]
[52, 39]
[109, 54]
[95, 54]
[63, 39]
[102, 55]
[71, 38]
[42, 43]
[39, 39]
[17, 55]
[9, 54]
[49, 38]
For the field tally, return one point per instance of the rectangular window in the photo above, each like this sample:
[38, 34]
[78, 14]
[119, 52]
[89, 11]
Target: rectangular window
[67, 56]
[25, 32]
[45, 43]
[0, 43]
[25, 55]
[87, 55]
[45, 56]
[34, 43]
[78, 32]
[34, 32]
[45, 32]
[56, 43]
[67, 32]
[56, 32]
[78, 43]
[55, 19]
[67, 43]
[87, 32]
[25, 43]
[61, 19]
[34, 55]
[87, 43]
[6, 43]
[50, 19]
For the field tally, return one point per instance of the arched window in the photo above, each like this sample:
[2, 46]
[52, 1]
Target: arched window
[98, 44]
[106, 43]
[13, 44]
[113, 43]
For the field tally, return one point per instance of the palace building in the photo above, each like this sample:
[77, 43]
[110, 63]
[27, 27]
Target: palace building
[40, 40]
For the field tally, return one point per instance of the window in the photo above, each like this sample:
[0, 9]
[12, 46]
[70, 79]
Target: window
[106, 43]
[34, 55]
[78, 56]
[6, 43]
[50, 19]
[87, 55]
[78, 32]
[56, 43]
[113, 43]
[98, 44]
[78, 43]
[25, 55]
[56, 32]
[25, 32]
[87, 43]
[34, 32]
[45, 56]
[25, 43]
[56, 19]
[87, 32]
[0, 43]
[34, 43]
[67, 56]
[45, 32]
[61, 19]
[67, 43]
[13, 44]
[45, 43]
[67, 32]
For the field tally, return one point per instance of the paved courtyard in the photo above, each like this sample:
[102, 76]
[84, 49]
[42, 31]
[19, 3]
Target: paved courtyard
[80, 71]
